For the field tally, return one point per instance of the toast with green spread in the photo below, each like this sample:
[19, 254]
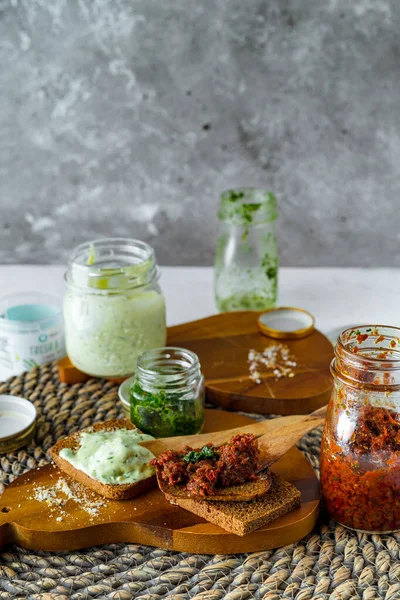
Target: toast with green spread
[107, 458]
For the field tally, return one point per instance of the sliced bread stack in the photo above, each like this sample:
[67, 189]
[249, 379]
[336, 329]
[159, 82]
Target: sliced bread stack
[243, 508]
[244, 516]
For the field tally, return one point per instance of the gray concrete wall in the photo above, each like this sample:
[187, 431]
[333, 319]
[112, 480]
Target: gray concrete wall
[128, 117]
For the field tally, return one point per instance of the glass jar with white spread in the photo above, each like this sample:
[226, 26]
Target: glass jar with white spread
[114, 308]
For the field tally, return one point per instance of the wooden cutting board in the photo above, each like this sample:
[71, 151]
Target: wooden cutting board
[222, 343]
[148, 519]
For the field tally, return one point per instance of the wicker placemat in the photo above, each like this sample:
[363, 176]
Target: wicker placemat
[330, 563]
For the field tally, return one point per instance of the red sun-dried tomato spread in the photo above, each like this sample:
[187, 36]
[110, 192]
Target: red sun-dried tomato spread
[361, 478]
[202, 471]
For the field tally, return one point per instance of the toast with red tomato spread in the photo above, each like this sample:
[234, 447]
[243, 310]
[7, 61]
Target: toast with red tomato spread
[224, 486]
[234, 493]
[227, 473]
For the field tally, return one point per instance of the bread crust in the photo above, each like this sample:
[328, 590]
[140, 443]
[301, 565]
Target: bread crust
[113, 491]
[244, 517]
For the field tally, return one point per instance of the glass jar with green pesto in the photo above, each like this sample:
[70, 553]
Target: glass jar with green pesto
[167, 394]
[246, 259]
[114, 308]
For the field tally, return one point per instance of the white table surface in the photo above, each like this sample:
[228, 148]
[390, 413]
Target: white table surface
[337, 297]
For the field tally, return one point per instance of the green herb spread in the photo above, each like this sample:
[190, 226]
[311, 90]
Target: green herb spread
[165, 414]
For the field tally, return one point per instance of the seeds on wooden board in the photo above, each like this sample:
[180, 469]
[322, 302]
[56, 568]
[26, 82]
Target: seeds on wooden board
[276, 358]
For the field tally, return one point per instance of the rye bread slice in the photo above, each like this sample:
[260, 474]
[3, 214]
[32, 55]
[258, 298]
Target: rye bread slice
[113, 491]
[235, 493]
[243, 517]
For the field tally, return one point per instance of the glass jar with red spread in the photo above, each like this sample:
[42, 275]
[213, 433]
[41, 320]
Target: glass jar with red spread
[360, 451]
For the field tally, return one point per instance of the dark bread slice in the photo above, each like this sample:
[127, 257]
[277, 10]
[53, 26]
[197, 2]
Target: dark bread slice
[243, 517]
[113, 491]
[235, 493]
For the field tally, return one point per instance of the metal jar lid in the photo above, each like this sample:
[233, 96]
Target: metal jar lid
[17, 422]
[286, 322]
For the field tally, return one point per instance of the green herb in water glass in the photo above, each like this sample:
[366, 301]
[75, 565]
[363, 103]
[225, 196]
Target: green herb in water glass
[246, 259]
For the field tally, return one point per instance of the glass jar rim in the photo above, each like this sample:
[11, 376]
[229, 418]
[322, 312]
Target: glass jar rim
[247, 205]
[169, 369]
[359, 364]
[111, 265]
[351, 340]
[168, 360]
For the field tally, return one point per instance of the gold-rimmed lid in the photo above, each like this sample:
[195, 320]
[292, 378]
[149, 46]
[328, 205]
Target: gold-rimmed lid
[286, 322]
[17, 422]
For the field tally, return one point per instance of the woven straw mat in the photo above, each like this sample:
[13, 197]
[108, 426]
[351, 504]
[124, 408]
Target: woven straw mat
[329, 563]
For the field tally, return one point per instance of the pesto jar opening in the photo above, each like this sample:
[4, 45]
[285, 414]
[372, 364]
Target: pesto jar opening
[114, 308]
[168, 392]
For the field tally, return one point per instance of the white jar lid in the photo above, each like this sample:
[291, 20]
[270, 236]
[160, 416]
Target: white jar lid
[286, 322]
[17, 422]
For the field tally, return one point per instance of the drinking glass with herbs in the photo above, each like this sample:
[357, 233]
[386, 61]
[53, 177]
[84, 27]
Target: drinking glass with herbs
[246, 259]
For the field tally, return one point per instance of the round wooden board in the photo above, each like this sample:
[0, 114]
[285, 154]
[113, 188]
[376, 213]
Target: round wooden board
[149, 519]
[222, 343]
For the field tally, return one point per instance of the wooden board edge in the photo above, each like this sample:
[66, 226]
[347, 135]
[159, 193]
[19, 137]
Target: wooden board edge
[267, 406]
[128, 532]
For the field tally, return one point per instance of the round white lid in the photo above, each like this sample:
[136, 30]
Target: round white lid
[16, 415]
[286, 322]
